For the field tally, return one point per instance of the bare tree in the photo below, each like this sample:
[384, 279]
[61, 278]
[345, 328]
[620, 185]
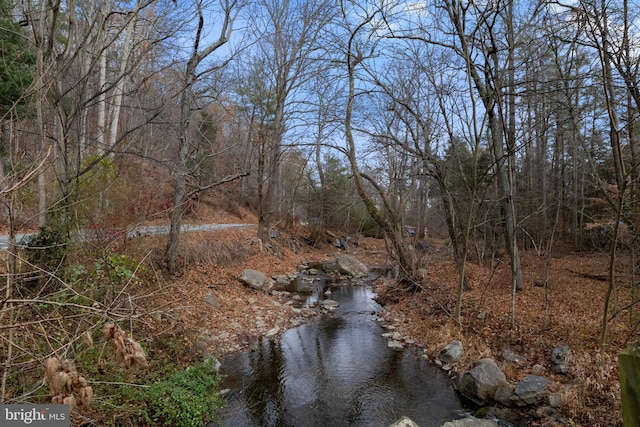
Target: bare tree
[289, 34]
[357, 49]
[69, 84]
[192, 75]
[488, 79]
[596, 16]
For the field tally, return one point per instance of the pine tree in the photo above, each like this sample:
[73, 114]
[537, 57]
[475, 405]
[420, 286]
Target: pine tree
[17, 61]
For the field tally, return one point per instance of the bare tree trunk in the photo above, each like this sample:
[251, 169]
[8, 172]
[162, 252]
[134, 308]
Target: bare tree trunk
[184, 139]
[619, 167]
[547, 267]
[459, 248]
[510, 216]
[488, 91]
[271, 202]
[8, 203]
[390, 226]
[40, 122]
[120, 86]
[11, 277]
[102, 101]
[323, 216]
[180, 189]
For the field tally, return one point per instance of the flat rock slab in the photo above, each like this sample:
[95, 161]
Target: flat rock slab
[282, 279]
[212, 300]
[470, 422]
[329, 303]
[272, 332]
[394, 344]
[253, 278]
[531, 390]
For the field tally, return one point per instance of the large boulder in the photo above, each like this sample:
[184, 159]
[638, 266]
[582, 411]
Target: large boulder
[451, 353]
[346, 264]
[330, 266]
[481, 382]
[532, 390]
[253, 278]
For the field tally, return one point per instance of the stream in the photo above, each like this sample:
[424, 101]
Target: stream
[335, 370]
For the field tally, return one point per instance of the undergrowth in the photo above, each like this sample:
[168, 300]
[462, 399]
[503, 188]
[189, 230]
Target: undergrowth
[167, 396]
[596, 388]
[187, 398]
[219, 252]
[65, 317]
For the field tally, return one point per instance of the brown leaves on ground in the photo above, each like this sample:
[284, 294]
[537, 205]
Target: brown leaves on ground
[209, 299]
[574, 301]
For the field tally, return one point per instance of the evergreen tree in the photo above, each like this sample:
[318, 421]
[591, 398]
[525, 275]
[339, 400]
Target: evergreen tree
[17, 61]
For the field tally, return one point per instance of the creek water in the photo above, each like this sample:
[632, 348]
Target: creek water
[335, 370]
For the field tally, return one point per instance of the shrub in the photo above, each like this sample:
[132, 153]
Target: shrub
[45, 253]
[109, 275]
[47, 248]
[188, 398]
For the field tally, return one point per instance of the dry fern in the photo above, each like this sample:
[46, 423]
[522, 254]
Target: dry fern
[64, 382]
[128, 352]
[596, 389]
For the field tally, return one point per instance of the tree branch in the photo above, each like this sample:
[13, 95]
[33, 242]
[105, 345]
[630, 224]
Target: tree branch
[217, 183]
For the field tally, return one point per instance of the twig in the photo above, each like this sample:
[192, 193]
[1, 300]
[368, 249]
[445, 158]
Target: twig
[120, 383]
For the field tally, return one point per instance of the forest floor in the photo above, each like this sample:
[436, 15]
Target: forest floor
[568, 311]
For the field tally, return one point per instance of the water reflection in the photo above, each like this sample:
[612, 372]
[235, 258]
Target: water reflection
[335, 371]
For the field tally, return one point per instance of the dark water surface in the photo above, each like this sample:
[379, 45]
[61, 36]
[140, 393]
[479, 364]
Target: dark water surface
[335, 371]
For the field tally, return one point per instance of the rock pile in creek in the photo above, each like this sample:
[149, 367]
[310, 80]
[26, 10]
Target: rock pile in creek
[346, 265]
[468, 421]
[253, 320]
[486, 385]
